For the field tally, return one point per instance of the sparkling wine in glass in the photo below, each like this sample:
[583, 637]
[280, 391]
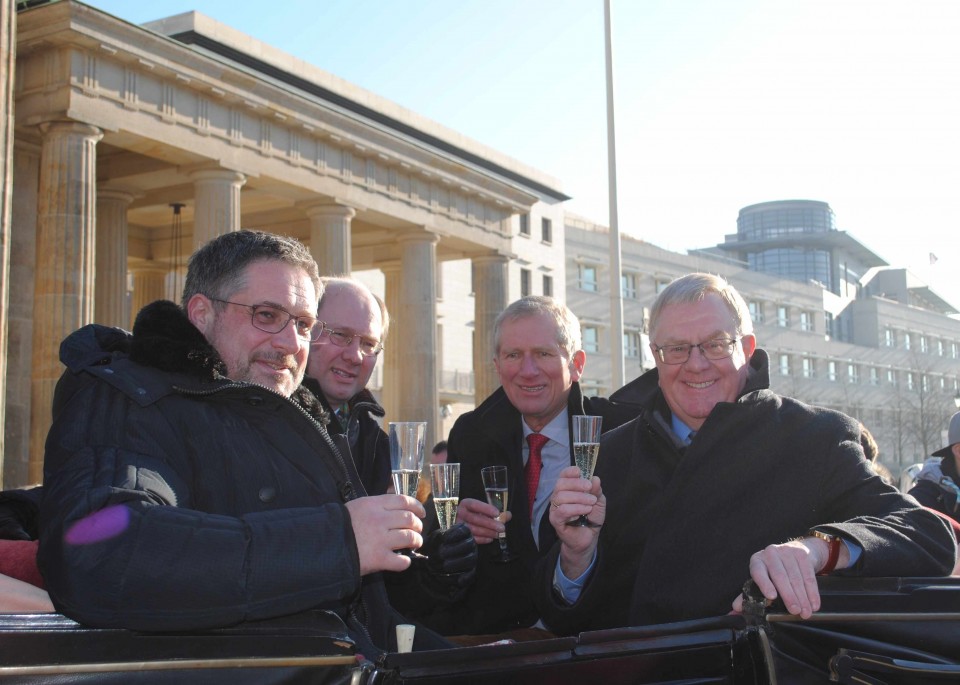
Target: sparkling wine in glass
[586, 449]
[445, 481]
[406, 455]
[495, 485]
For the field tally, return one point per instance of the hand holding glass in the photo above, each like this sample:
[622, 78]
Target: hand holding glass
[406, 455]
[445, 481]
[495, 485]
[586, 449]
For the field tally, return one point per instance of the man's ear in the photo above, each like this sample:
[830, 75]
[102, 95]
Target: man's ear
[577, 364]
[749, 344]
[200, 312]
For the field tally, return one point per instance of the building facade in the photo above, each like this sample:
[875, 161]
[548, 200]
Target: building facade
[133, 145]
[887, 351]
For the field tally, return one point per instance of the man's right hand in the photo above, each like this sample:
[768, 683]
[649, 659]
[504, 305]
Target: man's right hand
[383, 524]
[481, 518]
[574, 496]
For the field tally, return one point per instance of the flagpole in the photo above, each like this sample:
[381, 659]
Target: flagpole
[616, 269]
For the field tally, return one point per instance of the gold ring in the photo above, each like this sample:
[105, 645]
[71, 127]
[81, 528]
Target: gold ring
[555, 505]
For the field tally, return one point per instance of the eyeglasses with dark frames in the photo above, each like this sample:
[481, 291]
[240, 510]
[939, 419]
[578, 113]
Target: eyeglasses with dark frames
[272, 319]
[368, 346]
[714, 350]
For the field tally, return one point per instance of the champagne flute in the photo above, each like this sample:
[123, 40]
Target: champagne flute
[445, 480]
[495, 485]
[406, 461]
[586, 449]
[406, 455]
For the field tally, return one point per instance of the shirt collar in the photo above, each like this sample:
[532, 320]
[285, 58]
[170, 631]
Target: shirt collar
[681, 429]
[556, 430]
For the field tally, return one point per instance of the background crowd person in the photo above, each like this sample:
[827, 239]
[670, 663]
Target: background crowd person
[871, 451]
[189, 481]
[720, 479]
[938, 484]
[539, 360]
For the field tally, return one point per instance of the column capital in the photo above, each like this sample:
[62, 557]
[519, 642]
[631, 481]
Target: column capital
[424, 235]
[125, 194]
[65, 126]
[490, 258]
[217, 174]
[331, 209]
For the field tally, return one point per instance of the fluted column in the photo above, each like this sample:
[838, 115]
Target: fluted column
[63, 281]
[111, 287]
[417, 328]
[392, 360]
[330, 237]
[20, 318]
[149, 285]
[8, 43]
[489, 299]
[217, 209]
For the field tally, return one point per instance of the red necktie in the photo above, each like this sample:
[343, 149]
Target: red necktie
[536, 441]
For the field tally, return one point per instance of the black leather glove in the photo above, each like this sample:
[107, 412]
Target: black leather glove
[450, 565]
[19, 514]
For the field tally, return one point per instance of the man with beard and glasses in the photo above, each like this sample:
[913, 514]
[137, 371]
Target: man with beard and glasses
[189, 479]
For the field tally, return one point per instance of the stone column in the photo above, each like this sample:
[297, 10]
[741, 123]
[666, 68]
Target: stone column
[217, 209]
[149, 285]
[416, 326]
[63, 282]
[393, 345]
[110, 307]
[8, 50]
[490, 281]
[330, 237]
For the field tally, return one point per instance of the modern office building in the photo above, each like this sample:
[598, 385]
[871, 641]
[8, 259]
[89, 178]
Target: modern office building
[850, 333]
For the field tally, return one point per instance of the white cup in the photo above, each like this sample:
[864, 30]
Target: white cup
[405, 637]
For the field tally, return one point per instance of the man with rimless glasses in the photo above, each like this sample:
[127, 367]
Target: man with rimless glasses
[718, 480]
[189, 479]
[342, 358]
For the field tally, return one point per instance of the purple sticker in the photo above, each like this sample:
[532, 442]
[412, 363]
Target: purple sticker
[98, 526]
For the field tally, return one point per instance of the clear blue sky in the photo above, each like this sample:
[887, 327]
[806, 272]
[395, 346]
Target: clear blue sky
[719, 104]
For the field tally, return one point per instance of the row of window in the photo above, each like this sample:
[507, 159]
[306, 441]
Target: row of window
[804, 318]
[874, 375]
[920, 342]
[588, 280]
[546, 228]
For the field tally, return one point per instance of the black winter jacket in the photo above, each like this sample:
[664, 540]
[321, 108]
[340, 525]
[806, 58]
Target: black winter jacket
[681, 524]
[491, 434]
[177, 499]
[932, 490]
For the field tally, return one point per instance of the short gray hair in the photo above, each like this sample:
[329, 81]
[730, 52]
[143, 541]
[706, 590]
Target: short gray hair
[693, 288]
[568, 325]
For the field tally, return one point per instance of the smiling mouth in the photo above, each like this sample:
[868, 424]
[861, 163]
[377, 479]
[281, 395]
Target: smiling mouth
[343, 374]
[700, 386]
[532, 388]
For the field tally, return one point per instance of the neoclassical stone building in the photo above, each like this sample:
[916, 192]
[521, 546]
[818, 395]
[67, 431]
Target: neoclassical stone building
[134, 145]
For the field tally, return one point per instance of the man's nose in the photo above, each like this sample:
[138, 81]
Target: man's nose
[351, 352]
[528, 365]
[697, 360]
[287, 338]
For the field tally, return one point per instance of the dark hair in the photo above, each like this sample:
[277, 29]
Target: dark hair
[440, 447]
[218, 268]
[870, 449]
